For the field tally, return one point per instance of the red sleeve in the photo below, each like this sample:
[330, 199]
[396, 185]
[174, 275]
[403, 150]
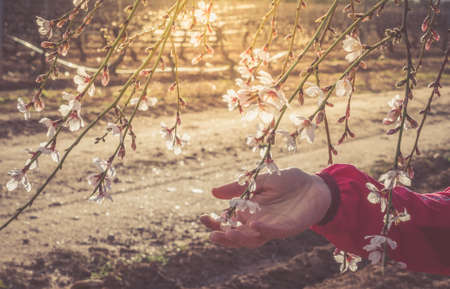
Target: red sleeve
[423, 242]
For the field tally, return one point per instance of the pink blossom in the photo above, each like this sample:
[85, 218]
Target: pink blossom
[114, 129]
[203, 14]
[18, 177]
[264, 111]
[247, 179]
[84, 6]
[343, 87]
[376, 247]
[390, 178]
[263, 55]
[232, 99]
[173, 142]
[396, 218]
[82, 80]
[394, 114]
[243, 205]
[23, 108]
[290, 139]
[107, 171]
[305, 127]
[145, 103]
[353, 46]
[45, 27]
[348, 261]
[51, 126]
[73, 109]
[196, 38]
[375, 196]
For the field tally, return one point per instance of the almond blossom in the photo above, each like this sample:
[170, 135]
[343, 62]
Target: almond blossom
[353, 46]
[290, 139]
[247, 179]
[232, 99]
[389, 179]
[114, 129]
[263, 55]
[304, 126]
[394, 114]
[203, 14]
[45, 27]
[145, 103]
[173, 141]
[396, 218]
[107, 172]
[73, 110]
[243, 205]
[263, 111]
[196, 38]
[375, 248]
[348, 261]
[376, 196]
[316, 92]
[84, 6]
[18, 177]
[23, 108]
[343, 87]
[82, 80]
[51, 126]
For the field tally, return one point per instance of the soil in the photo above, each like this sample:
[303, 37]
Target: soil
[150, 236]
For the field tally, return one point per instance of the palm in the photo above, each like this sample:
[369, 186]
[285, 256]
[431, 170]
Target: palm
[287, 208]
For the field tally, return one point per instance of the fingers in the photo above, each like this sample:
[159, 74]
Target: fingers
[237, 239]
[272, 231]
[210, 222]
[228, 191]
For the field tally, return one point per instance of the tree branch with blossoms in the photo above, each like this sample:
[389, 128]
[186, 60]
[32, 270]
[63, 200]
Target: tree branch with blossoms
[74, 115]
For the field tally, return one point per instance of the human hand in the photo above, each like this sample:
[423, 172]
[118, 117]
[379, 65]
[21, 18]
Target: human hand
[290, 203]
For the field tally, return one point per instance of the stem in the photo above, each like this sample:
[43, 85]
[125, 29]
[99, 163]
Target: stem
[294, 33]
[428, 106]
[409, 70]
[100, 116]
[284, 77]
[164, 38]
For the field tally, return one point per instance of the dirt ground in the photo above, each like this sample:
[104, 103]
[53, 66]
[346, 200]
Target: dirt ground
[150, 236]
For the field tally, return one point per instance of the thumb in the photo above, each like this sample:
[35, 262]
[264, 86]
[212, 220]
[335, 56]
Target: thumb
[228, 191]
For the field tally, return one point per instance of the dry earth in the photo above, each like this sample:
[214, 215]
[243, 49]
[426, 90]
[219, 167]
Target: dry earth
[150, 237]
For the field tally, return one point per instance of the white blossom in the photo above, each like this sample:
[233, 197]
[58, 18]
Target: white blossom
[203, 14]
[343, 88]
[291, 142]
[145, 103]
[242, 205]
[51, 129]
[73, 109]
[304, 125]
[23, 108]
[82, 80]
[375, 196]
[231, 98]
[44, 27]
[376, 247]
[84, 6]
[18, 177]
[389, 179]
[347, 260]
[353, 46]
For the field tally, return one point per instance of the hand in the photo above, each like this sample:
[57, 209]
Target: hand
[290, 203]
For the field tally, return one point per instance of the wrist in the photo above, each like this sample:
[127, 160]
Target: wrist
[319, 198]
[331, 195]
